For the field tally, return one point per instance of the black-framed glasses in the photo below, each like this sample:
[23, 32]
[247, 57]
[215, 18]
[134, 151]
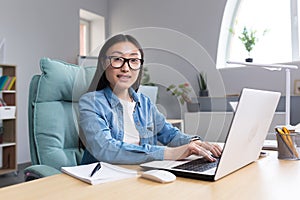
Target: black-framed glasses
[118, 62]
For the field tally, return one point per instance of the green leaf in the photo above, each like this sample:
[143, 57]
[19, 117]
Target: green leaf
[181, 100]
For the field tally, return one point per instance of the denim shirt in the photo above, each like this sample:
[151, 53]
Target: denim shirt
[101, 120]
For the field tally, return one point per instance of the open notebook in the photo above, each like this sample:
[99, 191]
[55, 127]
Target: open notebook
[106, 173]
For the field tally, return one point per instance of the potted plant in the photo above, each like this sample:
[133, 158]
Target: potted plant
[202, 80]
[249, 39]
[181, 91]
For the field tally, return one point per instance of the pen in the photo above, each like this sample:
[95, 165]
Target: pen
[98, 166]
[284, 140]
[284, 135]
[287, 132]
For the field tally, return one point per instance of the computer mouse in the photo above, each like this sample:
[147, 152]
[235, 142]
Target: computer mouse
[161, 176]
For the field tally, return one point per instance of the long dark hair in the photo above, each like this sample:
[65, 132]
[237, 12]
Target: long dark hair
[100, 81]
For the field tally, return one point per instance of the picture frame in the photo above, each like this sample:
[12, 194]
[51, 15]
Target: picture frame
[297, 87]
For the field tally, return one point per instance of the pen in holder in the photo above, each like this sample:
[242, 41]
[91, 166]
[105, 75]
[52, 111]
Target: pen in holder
[288, 144]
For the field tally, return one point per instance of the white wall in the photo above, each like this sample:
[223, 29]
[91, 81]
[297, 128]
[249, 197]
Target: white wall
[35, 29]
[199, 21]
[180, 37]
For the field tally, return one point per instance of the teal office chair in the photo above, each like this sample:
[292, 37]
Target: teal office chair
[52, 111]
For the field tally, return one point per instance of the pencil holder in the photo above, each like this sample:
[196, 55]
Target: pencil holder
[288, 146]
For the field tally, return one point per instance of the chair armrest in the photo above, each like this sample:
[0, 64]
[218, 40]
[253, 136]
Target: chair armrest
[39, 171]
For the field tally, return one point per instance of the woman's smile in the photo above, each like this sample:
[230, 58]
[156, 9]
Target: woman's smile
[123, 77]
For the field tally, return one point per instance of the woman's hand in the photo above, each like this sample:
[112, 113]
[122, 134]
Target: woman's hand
[211, 148]
[197, 147]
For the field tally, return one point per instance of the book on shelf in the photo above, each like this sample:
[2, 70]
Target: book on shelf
[11, 83]
[106, 173]
[7, 82]
[3, 80]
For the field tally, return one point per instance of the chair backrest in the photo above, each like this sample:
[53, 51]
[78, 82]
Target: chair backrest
[52, 116]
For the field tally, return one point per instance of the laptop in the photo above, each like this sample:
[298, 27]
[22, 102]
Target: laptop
[248, 130]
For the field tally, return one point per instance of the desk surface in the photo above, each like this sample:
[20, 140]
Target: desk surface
[267, 178]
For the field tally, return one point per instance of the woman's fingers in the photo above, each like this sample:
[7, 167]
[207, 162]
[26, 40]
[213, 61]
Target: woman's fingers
[215, 149]
[199, 148]
[201, 151]
[209, 148]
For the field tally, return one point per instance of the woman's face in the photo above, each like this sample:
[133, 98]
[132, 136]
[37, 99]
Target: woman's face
[124, 77]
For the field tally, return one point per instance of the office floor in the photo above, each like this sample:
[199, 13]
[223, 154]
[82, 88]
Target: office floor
[12, 178]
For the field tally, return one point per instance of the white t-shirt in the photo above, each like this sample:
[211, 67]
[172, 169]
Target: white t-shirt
[131, 135]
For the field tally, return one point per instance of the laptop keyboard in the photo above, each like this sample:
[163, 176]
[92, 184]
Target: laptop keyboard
[198, 165]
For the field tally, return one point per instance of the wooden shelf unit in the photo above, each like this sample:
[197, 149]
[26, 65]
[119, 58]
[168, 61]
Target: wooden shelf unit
[9, 137]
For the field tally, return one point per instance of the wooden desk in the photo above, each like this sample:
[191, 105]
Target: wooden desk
[178, 122]
[268, 178]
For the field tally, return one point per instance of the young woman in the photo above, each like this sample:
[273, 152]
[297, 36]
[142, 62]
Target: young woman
[121, 126]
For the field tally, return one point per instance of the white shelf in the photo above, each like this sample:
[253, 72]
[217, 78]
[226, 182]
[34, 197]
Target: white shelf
[8, 91]
[7, 118]
[7, 144]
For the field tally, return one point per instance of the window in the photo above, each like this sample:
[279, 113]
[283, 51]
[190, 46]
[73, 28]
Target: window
[91, 32]
[84, 37]
[279, 18]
